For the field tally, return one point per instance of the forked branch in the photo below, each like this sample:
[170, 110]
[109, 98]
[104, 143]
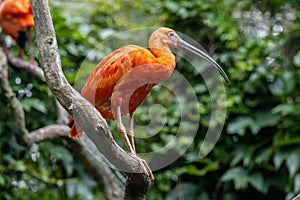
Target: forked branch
[87, 117]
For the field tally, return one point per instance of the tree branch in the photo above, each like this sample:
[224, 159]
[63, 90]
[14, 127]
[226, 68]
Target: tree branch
[20, 129]
[297, 197]
[48, 133]
[88, 118]
[62, 114]
[21, 64]
[102, 174]
[110, 181]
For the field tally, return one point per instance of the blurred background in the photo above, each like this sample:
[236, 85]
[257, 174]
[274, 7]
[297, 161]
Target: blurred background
[258, 153]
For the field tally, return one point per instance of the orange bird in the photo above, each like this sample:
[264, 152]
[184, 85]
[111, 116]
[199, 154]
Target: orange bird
[123, 79]
[15, 19]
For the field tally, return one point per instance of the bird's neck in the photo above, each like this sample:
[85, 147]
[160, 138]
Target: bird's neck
[163, 54]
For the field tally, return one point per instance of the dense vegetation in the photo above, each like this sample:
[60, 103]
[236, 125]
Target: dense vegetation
[256, 156]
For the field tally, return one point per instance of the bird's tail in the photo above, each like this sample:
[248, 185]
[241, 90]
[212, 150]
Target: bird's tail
[75, 131]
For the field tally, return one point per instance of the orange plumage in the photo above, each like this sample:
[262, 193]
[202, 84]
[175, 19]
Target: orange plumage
[102, 81]
[123, 79]
[15, 16]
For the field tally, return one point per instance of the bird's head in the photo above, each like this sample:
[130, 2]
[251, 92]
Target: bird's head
[170, 37]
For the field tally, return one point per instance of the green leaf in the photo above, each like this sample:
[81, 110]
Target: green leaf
[297, 183]
[263, 156]
[282, 140]
[291, 158]
[244, 153]
[296, 59]
[33, 103]
[238, 175]
[264, 119]
[192, 170]
[238, 156]
[239, 125]
[20, 166]
[284, 109]
[2, 180]
[284, 84]
[261, 120]
[241, 179]
[62, 154]
[293, 162]
[257, 181]
[279, 157]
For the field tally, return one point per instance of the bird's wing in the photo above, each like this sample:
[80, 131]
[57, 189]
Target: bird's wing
[26, 20]
[11, 28]
[100, 83]
[14, 16]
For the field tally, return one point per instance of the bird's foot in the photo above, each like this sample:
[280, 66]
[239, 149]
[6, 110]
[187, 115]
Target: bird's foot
[144, 165]
[33, 62]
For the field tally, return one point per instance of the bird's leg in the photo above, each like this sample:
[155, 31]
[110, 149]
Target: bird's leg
[122, 130]
[130, 145]
[130, 131]
[21, 53]
[32, 61]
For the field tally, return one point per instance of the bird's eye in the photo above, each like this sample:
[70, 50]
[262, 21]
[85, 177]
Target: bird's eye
[171, 34]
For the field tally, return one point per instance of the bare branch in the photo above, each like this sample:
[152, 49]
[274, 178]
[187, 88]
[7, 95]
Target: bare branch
[21, 64]
[48, 133]
[88, 118]
[90, 157]
[102, 174]
[20, 129]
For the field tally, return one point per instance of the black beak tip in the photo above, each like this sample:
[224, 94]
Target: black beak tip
[226, 79]
[224, 75]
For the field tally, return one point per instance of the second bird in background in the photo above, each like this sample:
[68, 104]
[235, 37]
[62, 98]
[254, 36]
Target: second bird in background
[16, 21]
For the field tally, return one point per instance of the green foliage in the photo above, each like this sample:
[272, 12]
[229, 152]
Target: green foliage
[257, 155]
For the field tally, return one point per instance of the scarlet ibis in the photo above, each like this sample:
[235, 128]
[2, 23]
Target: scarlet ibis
[123, 79]
[15, 19]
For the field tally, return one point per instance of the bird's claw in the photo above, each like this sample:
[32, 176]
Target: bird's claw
[144, 165]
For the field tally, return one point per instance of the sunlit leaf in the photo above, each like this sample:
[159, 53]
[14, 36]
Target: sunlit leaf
[264, 119]
[297, 183]
[293, 162]
[283, 85]
[20, 166]
[192, 170]
[284, 109]
[2, 180]
[296, 59]
[238, 175]
[279, 157]
[239, 125]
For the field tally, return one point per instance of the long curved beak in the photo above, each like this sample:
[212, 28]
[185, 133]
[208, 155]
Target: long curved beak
[186, 46]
